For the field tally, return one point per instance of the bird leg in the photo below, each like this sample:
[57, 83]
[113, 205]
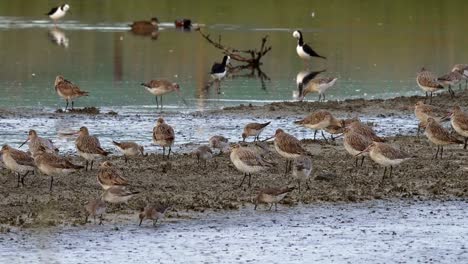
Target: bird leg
[86, 169]
[161, 102]
[100, 219]
[250, 177]
[362, 160]
[126, 159]
[441, 151]
[92, 162]
[419, 130]
[326, 140]
[269, 209]
[430, 99]
[24, 176]
[164, 151]
[276, 206]
[383, 177]
[320, 97]
[141, 220]
[323, 97]
[18, 180]
[425, 98]
[157, 102]
[452, 93]
[242, 182]
[66, 106]
[466, 141]
[315, 133]
[51, 183]
[169, 152]
[72, 105]
[437, 153]
[356, 161]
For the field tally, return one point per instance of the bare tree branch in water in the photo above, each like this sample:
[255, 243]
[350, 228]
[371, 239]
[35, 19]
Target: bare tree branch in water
[251, 58]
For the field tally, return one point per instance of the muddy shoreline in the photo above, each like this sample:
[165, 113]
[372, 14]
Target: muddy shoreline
[192, 188]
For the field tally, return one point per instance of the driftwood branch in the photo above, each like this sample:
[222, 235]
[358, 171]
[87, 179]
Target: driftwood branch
[252, 57]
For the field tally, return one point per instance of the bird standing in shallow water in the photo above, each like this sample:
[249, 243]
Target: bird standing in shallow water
[253, 130]
[318, 85]
[304, 51]
[58, 12]
[219, 70]
[427, 81]
[35, 142]
[67, 90]
[164, 136]
[162, 87]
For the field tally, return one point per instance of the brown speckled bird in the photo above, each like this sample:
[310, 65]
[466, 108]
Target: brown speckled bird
[439, 136]
[319, 120]
[153, 212]
[272, 196]
[459, 121]
[89, 147]
[288, 147]
[427, 81]
[253, 130]
[108, 176]
[163, 135]
[68, 90]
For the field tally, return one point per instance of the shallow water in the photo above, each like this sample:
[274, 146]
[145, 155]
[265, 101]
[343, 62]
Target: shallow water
[372, 232]
[375, 48]
[192, 128]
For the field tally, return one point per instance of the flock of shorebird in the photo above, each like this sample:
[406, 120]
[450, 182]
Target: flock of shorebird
[359, 140]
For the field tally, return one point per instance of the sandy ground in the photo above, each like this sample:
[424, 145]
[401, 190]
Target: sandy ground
[190, 187]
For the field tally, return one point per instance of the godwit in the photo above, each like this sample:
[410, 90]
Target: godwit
[117, 194]
[318, 85]
[219, 70]
[53, 165]
[302, 168]
[355, 143]
[439, 136]
[35, 142]
[303, 77]
[95, 207]
[204, 153]
[272, 196]
[427, 81]
[463, 70]
[163, 135]
[129, 149]
[357, 126]
[253, 130]
[152, 212]
[58, 12]
[108, 176]
[89, 147]
[145, 27]
[304, 51]
[451, 79]
[319, 120]
[67, 90]
[219, 142]
[162, 87]
[423, 111]
[18, 162]
[459, 121]
[247, 161]
[288, 147]
[385, 155]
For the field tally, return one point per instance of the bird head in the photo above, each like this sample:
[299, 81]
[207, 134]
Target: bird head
[65, 7]
[154, 21]
[160, 121]
[297, 34]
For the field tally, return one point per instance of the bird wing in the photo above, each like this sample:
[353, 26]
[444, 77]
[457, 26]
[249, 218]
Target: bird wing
[163, 132]
[290, 144]
[393, 153]
[59, 162]
[52, 11]
[125, 144]
[217, 68]
[89, 144]
[250, 158]
[310, 51]
[22, 158]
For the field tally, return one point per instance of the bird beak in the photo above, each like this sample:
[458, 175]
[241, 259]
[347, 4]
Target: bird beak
[447, 117]
[181, 97]
[366, 150]
[24, 142]
[266, 139]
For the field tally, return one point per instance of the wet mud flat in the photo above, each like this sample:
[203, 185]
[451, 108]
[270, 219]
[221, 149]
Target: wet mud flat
[379, 231]
[190, 187]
